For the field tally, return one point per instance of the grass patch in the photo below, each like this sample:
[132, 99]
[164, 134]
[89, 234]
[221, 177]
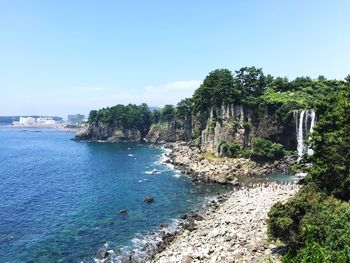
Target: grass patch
[211, 157]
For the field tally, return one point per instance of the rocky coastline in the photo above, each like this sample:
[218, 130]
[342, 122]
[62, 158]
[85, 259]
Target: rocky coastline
[232, 229]
[205, 167]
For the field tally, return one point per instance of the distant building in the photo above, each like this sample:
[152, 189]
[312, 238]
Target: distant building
[75, 118]
[27, 120]
[46, 121]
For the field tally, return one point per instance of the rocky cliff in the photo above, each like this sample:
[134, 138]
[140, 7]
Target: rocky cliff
[108, 133]
[169, 132]
[239, 124]
[234, 123]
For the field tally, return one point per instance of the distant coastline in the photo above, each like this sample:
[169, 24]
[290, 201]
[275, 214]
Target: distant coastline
[62, 127]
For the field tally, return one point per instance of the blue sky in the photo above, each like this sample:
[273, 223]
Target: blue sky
[60, 57]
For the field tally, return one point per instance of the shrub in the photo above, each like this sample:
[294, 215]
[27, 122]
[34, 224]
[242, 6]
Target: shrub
[247, 125]
[234, 149]
[212, 123]
[264, 150]
[315, 226]
[230, 149]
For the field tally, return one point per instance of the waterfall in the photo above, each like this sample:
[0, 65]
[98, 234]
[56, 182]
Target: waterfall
[300, 137]
[301, 122]
[313, 115]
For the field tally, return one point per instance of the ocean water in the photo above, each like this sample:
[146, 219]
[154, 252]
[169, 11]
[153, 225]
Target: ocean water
[59, 199]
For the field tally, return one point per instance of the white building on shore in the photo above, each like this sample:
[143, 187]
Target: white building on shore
[45, 121]
[27, 121]
[31, 121]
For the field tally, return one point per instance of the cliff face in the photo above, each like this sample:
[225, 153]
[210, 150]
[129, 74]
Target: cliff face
[225, 125]
[239, 124]
[169, 132]
[107, 133]
[232, 123]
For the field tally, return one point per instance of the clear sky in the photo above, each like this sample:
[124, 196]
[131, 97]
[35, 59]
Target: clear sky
[70, 56]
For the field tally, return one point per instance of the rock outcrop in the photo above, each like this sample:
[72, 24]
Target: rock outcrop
[169, 132]
[191, 160]
[239, 124]
[108, 133]
[234, 231]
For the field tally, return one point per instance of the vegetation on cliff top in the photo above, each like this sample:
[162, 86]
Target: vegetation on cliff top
[315, 224]
[265, 96]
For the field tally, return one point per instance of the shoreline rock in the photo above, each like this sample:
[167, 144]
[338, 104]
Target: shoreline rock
[190, 160]
[231, 230]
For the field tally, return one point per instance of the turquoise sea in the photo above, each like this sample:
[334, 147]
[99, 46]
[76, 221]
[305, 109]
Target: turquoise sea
[59, 199]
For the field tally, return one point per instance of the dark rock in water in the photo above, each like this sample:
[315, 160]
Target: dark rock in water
[301, 181]
[5, 237]
[197, 217]
[117, 251]
[190, 225]
[184, 216]
[149, 199]
[83, 233]
[123, 212]
[164, 225]
[104, 253]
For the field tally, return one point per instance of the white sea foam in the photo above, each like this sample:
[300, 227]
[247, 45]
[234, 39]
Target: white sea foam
[154, 171]
[142, 246]
[178, 174]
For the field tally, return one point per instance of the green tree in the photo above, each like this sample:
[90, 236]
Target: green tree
[167, 114]
[184, 109]
[155, 116]
[92, 116]
[252, 82]
[331, 144]
[217, 89]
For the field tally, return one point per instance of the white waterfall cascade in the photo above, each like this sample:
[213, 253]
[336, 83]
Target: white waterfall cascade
[305, 123]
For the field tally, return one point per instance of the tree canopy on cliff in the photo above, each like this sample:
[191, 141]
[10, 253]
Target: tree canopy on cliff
[221, 87]
[130, 116]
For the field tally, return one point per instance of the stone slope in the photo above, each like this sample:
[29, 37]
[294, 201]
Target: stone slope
[234, 232]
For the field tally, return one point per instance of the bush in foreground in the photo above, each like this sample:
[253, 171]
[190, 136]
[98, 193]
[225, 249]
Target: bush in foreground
[316, 227]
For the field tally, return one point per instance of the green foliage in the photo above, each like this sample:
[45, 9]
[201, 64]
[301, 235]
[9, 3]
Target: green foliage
[217, 89]
[184, 109]
[230, 149]
[247, 125]
[155, 116]
[167, 113]
[196, 133]
[212, 123]
[315, 224]
[252, 82]
[285, 219]
[331, 143]
[220, 87]
[92, 116]
[234, 126]
[281, 97]
[264, 150]
[130, 116]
